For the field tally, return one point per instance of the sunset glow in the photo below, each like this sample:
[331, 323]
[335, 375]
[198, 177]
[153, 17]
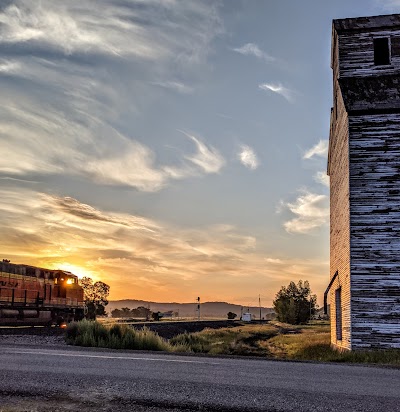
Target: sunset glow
[169, 149]
[76, 270]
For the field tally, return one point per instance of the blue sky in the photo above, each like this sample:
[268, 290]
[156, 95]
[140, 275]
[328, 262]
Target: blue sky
[172, 149]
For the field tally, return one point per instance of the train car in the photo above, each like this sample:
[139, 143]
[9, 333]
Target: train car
[30, 295]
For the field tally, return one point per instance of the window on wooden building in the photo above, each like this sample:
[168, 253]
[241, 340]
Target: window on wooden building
[381, 51]
[338, 306]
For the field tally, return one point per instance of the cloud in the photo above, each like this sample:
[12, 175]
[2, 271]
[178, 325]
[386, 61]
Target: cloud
[248, 157]
[175, 86]
[207, 158]
[322, 178]
[312, 211]
[8, 66]
[225, 116]
[84, 212]
[133, 164]
[388, 5]
[60, 116]
[147, 30]
[278, 88]
[33, 147]
[320, 150]
[139, 256]
[251, 49]
[274, 261]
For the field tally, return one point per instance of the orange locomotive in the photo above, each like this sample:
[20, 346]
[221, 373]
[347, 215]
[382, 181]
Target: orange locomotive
[35, 296]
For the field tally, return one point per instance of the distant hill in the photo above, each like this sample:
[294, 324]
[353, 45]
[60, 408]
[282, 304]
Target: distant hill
[188, 310]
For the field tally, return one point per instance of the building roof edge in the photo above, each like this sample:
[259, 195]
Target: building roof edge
[366, 23]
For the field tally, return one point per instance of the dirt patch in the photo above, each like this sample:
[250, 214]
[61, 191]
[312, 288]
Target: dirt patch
[168, 330]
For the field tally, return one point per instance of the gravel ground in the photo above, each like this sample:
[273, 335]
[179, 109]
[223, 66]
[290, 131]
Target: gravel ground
[55, 336]
[35, 404]
[32, 336]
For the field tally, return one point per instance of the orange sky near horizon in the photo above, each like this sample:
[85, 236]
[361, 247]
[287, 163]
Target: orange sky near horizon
[144, 259]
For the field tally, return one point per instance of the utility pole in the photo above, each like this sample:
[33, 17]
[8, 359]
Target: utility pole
[198, 307]
[259, 305]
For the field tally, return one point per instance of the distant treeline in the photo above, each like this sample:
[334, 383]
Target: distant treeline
[141, 312]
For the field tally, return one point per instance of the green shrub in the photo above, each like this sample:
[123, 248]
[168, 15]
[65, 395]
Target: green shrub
[100, 332]
[194, 341]
[149, 340]
[129, 341]
[116, 330]
[72, 332]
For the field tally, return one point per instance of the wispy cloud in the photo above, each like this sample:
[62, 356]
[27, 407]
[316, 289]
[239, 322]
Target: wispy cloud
[65, 118]
[111, 27]
[251, 49]
[8, 66]
[322, 178]
[278, 88]
[32, 146]
[274, 261]
[84, 150]
[224, 116]
[248, 157]
[312, 211]
[388, 5]
[207, 158]
[175, 86]
[320, 150]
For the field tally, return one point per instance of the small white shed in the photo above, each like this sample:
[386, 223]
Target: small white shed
[246, 317]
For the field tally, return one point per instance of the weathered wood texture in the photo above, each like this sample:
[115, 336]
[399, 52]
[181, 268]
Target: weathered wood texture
[340, 219]
[366, 24]
[356, 53]
[375, 230]
[380, 93]
[364, 168]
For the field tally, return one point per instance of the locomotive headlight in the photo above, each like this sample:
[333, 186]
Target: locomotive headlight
[70, 281]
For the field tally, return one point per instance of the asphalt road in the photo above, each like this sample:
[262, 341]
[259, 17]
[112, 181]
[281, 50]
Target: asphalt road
[34, 378]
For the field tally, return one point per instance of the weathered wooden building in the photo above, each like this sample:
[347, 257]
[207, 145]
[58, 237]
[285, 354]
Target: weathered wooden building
[364, 170]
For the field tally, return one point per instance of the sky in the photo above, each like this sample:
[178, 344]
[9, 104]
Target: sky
[172, 149]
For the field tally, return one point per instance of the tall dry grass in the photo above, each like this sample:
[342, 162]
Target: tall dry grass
[116, 336]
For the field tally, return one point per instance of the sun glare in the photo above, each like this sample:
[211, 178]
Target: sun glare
[76, 270]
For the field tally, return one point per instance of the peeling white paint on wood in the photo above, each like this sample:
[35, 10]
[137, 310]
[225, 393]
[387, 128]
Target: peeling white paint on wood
[364, 169]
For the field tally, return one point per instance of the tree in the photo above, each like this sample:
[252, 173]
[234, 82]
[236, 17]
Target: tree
[141, 312]
[121, 313]
[157, 316]
[95, 296]
[231, 315]
[294, 304]
[116, 313]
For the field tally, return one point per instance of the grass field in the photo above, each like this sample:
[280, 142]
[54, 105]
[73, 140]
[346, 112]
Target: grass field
[272, 340]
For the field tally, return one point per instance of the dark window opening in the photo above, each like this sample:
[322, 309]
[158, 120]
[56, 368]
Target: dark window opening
[395, 46]
[381, 51]
[338, 306]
